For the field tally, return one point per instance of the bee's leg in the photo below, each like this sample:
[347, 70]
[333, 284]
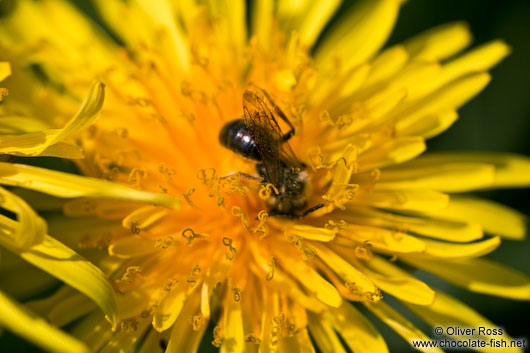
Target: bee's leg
[312, 209]
[243, 176]
[288, 135]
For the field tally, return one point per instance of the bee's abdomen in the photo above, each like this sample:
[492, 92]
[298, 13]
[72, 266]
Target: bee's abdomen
[235, 136]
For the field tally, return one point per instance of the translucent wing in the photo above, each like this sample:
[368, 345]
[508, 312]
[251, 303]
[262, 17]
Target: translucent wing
[266, 133]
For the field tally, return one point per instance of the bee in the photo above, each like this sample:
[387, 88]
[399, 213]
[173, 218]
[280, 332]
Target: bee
[258, 137]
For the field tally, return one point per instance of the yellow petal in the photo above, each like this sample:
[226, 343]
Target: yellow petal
[262, 19]
[450, 96]
[340, 186]
[234, 340]
[68, 185]
[5, 70]
[349, 273]
[314, 20]
[29, 229]
[448, 312]
[22, 322]
[324, 336]
[50, 142]
[129, 247]
[454, 231]
[144, 217]
[387, 241]
[116, 14]
[392, 152]
[171, 306]
[495, 218]
[162, 15]
[125, 340]
[231, 20]
[412, 200]
[400, 324]
[387, 64]
[311, 233]
[23, 282]
[44, 305]
[183, 337]
[447, 177]
[479, 59]
[299, 343]
[282, 281]
[359, 34]
[15, 124]
[397, 282]
[152, 341]
[461, 250]
[413, 77]
[430, 125]
[511, 170]
[70, 309]
[94, 330]
[479, 275]
[310, 279]
[440, 42]
[39, 201]
[356, 330]
[68, 266]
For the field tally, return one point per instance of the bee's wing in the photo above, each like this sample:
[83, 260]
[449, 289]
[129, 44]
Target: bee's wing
[266, 133]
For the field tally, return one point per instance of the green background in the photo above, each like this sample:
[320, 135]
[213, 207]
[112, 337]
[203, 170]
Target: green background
[497, 120]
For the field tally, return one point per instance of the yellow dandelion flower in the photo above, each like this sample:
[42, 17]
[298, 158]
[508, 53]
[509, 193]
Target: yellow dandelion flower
[164, 231]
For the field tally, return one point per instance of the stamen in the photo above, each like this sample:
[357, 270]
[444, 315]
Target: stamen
[121, 132]
[129, 325]
[291, 330]
[262, 227]
[170, 283]
[196, 322]
[363, 251]
[111, 174]
[228, 243]
[299, 244]
[217, 336]
[279, 320]
[136, 176]
[166, 242]
[331, 225]
[206, 176]
[238, 212]
[346, 195]
[135, 227]
[317, 158]
[187, 195]
[236, 294]
[339, 121]
[130, 274]
[231, 185]
[252, 338]
[375, 175]
[4, 92]
[191, 277]
[91, 131]
[272, 267]
[190, 235]
[146, 313]
[166, 171]
[265, 191]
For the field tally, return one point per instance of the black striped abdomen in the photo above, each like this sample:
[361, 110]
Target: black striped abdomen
[235, 136]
